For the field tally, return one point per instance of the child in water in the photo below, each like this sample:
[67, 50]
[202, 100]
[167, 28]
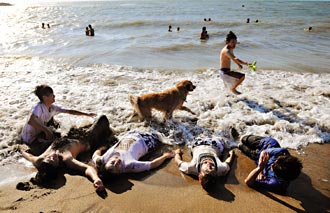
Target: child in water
[36, 130]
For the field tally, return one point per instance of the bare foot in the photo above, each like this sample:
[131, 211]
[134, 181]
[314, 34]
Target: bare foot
[236, 92]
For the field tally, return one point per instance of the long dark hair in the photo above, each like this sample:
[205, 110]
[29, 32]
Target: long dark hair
[47, 171]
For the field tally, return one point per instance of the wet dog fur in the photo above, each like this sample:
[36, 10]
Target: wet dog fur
[166, 101]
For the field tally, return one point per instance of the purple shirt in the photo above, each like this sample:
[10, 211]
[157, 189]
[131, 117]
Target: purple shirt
[272, 182]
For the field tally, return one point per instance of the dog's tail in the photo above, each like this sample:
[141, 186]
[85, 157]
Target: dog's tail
[135, 102]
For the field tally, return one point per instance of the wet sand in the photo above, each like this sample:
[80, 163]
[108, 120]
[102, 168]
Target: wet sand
[167, 190]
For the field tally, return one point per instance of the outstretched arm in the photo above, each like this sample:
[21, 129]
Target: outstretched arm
[33, 159]
[263, 160]
[158, 161]
[178, 156]
[238, 61]
[75, 112]
[230, 158]
[89, 171]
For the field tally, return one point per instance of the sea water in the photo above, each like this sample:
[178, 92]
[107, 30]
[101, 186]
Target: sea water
[132, 52]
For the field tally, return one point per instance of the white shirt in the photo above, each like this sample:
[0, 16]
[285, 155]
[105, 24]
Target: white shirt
[202, 150]
[129, 157]
[30, 133]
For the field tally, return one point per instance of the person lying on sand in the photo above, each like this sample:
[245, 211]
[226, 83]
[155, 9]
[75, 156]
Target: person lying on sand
[275, 166]
[63, 152]
[205, 163]
[124, 156]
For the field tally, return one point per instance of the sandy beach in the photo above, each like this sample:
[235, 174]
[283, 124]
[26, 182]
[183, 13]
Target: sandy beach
[132, 52]
[167, 190]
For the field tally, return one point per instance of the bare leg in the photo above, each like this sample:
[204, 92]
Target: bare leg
[233, 89]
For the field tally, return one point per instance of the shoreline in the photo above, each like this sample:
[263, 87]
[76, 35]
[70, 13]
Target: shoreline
[170, 191]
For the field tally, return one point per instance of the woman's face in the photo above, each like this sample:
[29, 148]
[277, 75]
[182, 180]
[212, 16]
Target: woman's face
[49, 99]
[52, 159]
[114, 164]
[232, 43]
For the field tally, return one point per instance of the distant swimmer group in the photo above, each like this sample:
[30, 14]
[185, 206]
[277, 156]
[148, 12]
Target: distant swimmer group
[43, 26]
[170, 28]
[89, 30]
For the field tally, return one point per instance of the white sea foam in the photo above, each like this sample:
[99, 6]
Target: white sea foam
[292, 107]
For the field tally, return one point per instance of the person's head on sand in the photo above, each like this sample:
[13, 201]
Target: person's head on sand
[48, 167]
[231, 40]
[207, 174]
[112, 167]
[45, 94]
[287, 167]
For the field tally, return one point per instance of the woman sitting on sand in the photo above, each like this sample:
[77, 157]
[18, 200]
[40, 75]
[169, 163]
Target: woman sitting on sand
[63, 153]
[275, 166]
[124, 156]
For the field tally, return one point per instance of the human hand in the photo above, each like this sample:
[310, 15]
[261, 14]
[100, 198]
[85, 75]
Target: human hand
[260, 176]
[168, 155]
[98, 185]
[263, 159]
[231, 152]
[178, 151]
[21, 148]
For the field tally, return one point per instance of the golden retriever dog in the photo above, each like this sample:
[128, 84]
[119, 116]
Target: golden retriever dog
[166, 101]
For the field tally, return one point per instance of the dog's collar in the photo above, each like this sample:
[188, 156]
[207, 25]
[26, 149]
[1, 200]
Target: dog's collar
[183, 97]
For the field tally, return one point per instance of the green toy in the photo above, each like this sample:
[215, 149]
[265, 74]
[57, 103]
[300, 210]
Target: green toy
[253, 66]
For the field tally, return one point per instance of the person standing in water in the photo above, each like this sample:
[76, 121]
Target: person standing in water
[234, 79]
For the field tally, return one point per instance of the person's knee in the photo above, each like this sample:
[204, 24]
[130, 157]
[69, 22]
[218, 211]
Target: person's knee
[245, 138]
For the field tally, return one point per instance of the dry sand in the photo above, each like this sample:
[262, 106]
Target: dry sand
[167, 190]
